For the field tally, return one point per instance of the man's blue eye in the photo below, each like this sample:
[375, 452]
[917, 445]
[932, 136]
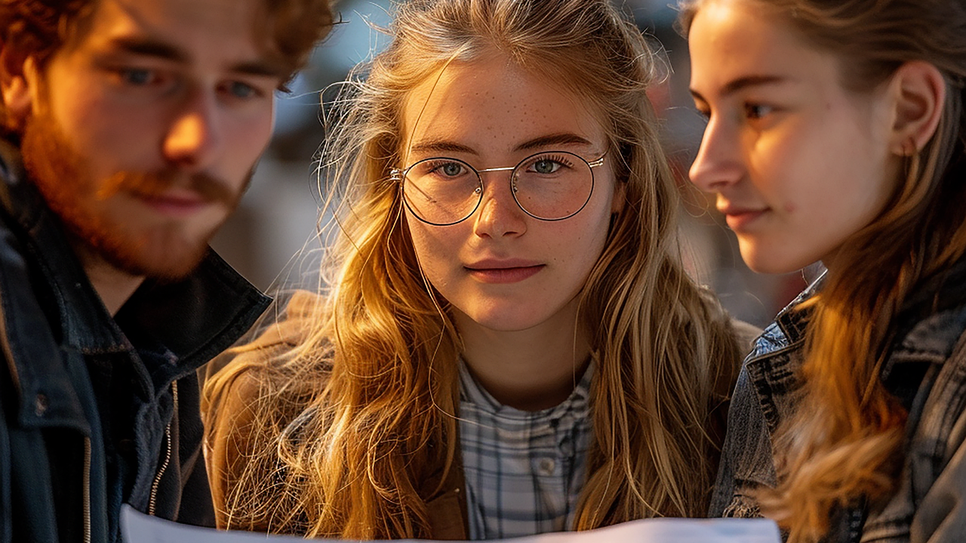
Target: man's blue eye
[137, 76]
[241, 90]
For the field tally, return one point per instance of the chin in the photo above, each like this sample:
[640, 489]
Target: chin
[173, 268]
[774, 261]
[166, 258]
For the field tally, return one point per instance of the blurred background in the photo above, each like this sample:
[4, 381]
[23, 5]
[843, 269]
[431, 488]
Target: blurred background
[272, 237]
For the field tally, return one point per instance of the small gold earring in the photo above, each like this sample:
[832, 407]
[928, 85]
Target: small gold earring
[909, 147]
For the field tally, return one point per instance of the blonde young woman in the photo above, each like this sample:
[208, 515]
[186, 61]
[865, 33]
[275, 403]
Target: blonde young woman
[510, 344]
[836, 133]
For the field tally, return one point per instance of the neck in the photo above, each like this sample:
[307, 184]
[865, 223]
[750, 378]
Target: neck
[529, 369]
[113, 285]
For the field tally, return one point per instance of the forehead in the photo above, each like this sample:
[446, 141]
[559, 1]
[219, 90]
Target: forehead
[493, 104]
[200, 28]
[735, 38]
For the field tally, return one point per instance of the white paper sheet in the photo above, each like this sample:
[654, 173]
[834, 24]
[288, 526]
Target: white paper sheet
[140, 528]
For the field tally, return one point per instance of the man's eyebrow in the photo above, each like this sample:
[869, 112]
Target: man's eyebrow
[160, 49]
[150, 47]
[742, 83]
[262, 68]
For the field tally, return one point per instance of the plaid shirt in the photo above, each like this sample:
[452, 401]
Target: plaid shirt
[524, 470]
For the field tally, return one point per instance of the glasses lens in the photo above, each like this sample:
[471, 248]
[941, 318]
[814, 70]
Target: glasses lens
[442, 191]
[553, 186]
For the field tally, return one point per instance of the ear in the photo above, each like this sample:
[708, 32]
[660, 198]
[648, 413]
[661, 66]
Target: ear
[617, 204]
[920, 97]
[17, 75]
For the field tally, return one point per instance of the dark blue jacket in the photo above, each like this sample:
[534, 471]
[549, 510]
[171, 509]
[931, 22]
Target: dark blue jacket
[925, 369]
[99, 410]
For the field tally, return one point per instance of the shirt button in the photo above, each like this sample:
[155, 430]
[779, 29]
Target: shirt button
[547, 466]
[41, 403]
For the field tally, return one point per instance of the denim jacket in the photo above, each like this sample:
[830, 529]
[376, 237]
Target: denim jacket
[925, 370]
[99, 411]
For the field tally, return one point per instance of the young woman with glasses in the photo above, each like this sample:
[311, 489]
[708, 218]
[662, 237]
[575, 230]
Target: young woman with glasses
[837, 132]
[509, 344]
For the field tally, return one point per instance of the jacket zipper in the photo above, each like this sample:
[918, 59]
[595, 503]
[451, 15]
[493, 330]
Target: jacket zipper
[87, 490]
[167, 456]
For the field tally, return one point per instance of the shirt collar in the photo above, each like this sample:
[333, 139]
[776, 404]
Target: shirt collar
[471, 391]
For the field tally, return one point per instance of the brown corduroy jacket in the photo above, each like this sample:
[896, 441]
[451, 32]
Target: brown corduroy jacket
[228, 421]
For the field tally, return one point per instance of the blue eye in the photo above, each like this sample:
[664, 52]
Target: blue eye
[546, 166]
[450, 169]
[137, 76]
[241, 90]
[757, 111]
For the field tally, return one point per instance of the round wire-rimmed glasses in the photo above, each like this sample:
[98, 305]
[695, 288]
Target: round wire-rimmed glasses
[549, 186]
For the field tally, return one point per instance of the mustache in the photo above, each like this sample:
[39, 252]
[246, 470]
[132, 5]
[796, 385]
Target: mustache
[154, 184]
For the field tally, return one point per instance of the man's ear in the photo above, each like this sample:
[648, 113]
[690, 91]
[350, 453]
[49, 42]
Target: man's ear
[920, 97]
[17, 73]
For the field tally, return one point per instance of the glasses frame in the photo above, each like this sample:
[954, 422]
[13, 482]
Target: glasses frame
[398, 175]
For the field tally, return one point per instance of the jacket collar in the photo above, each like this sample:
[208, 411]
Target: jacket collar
[84, 322]
[923, 311]
[792, 319]
[928, 326]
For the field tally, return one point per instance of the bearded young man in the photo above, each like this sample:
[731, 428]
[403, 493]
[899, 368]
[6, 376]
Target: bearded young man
[130, 131]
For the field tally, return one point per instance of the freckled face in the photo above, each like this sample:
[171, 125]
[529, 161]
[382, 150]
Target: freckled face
[502, 269]
[799, 164]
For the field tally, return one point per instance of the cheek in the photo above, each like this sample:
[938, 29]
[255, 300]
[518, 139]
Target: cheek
[247, 136]
[434, 247]
[581, 241]
[787, 165]
[113, 137]
[88, 122]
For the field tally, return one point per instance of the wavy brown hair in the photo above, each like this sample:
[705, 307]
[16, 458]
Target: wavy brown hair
[845, 440]
[348, 422]
[39, 28]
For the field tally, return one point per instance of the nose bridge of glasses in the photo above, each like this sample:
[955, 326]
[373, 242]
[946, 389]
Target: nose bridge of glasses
[503, 169]
[498, 204]
[480, 173]
[510, 169]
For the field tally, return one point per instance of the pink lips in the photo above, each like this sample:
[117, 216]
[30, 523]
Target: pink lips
[502, 271]
[739, 218]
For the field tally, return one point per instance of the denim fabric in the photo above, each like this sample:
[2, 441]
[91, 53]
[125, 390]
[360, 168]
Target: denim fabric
[98, 410]
[925, 369]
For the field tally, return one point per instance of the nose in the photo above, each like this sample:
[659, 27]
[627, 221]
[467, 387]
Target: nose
[499, 215]
[193, 138]
[718, 162]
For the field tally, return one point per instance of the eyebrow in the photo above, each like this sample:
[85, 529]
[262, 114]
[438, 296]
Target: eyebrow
[441, 146]
[743, 83]
[564, 138]
[446, 146]
[159, 49]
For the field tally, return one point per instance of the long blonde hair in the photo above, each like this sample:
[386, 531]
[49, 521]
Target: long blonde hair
[349, 422]
[845, 440]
